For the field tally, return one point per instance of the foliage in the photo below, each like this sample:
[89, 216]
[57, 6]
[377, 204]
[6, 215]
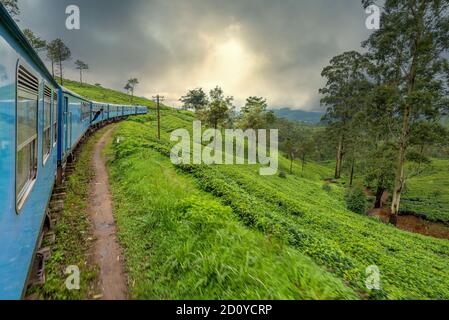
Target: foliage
[344, 96]
[298, 213]
[81, 66]
[131, 86]
[182, 243]
[254, 115]
[218, 112]
[356, 200]
[58, 52]
[36, 42]
[427, 194]
[196, 100]
[410, 69]
[12, 7]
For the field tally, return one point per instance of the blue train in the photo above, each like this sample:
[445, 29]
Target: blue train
[41, 124]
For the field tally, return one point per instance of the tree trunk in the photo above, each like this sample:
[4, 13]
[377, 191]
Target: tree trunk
[291, 163]
[339, 159]
[81, 77]
[399, 180]
[303, 163]
[351, 179]
[379, 195]
[400, 177]
[53, 68]
[60, 72]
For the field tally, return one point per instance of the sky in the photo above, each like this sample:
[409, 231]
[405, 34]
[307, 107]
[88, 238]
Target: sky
[273, 49]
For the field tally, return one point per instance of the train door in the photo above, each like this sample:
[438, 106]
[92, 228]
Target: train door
[67, 125]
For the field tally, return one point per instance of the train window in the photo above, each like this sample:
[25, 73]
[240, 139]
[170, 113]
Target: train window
[55, 118]
[46, 139]
[26, 133]
[85, 111]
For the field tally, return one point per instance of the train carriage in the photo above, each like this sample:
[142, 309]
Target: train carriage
[75, 119]
[28, 148]
[40, 126]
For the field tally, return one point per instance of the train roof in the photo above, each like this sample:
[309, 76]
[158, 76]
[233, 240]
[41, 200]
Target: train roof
[74, 94]
[18, 35]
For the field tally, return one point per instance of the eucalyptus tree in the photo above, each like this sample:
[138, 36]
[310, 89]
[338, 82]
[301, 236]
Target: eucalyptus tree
[195, 100]
[81, 66]
[255, 114]
[408, 51]
[58, 52]
[344, 96]
[218, 111]
[131, 85]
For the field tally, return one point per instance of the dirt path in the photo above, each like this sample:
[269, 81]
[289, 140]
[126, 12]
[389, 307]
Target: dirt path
[413, 224]
[107, 252]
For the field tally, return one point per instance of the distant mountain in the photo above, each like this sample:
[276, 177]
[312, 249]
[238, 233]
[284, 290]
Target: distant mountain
[299, 115]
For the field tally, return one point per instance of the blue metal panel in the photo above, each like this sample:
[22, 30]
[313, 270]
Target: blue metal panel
[19, 231]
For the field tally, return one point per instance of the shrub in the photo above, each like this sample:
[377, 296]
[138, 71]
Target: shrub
[356, 200]
[282, 175]
[326, 187]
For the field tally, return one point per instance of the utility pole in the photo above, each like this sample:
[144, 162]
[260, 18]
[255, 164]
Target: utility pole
[158, 99]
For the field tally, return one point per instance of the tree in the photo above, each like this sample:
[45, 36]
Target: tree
[379, 170]
[58, 52]
[343, 95]
[254, 114]
[218, 110]
[81, 66]
[127, 87]
[408, 52]
[51, 55]
[36, 42]
[131, 86]
[12, 7]
[195, 99]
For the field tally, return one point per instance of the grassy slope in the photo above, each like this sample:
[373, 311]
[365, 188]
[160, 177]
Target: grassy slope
[428, 193]
[101, 94]
[182, 243]
[314, 222]
[296, 211]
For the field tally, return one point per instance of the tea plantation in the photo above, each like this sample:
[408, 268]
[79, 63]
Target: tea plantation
[227, 232]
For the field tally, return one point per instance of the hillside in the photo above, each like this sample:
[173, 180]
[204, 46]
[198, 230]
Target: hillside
[222, 232]
[296, 212]
[299, 115]
[427, 194]
[100, 94]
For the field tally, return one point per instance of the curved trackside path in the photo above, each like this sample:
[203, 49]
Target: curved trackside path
[107, 251]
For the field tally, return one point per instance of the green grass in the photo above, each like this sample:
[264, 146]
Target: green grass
[187, 233]
[100, 94]
[73, 236]
[428, 193]
[182, 243]
[297, 211]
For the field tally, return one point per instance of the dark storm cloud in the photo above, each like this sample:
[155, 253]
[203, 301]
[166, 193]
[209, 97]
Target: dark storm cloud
[272, 48]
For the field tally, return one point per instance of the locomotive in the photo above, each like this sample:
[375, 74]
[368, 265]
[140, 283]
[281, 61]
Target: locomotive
[41, 124]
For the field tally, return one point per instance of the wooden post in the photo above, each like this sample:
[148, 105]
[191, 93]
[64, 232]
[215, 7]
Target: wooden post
[158, 118]
[158, 100]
